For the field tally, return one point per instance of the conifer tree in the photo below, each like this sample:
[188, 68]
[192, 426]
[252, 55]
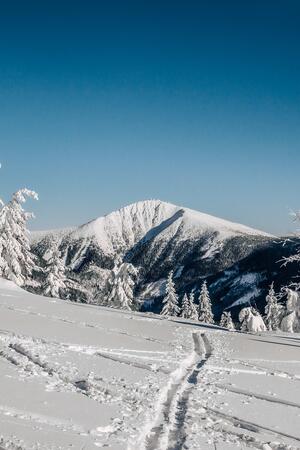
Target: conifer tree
[189, 310]
[170, 301]
[55, 283]
[226, 321]
[16, 260]
[121, 285]
[273, 310]
[205, 312]
[290, 315]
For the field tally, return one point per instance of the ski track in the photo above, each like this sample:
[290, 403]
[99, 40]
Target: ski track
[168, 432]
[178, 435]
[275, 373]
[30, 417]
[133, 363]
[18, 355]
[30, 361]
[249, 426]
[256, 370]
[36, 360]
[82, 324]
[230, 425]
[88, 349]
[263, 397]
[248, 438]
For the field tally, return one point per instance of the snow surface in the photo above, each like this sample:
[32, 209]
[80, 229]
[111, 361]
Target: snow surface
[85, 377]
[145, 220]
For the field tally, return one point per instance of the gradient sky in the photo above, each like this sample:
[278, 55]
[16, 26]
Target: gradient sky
[103, 103]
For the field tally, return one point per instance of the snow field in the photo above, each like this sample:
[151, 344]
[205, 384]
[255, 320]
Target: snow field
[84, 377]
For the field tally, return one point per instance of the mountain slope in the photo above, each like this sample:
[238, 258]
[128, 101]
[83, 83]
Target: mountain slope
[158, 237]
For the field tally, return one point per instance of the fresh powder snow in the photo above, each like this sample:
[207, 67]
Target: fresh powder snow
[86, 377]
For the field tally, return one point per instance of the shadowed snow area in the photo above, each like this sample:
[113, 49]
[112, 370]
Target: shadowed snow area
[85, 377]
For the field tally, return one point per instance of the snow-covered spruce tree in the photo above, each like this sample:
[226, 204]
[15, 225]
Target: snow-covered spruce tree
[291, 320]
[55, 283]
[106, 296]
[189, 310]
[226, 321]
[251, 320]
[121, 286]
[296, 256]
[273, 310]
[16, 260]
[170, 301]
[205, 313]
[184, 307]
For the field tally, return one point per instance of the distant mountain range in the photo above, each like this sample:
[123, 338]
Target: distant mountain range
[238, 262]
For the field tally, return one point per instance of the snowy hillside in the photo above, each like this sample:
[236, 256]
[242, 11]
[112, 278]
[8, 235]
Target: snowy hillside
[155, 237]
[87, 377]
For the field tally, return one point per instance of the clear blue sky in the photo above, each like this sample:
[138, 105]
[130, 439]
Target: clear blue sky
[107, 102]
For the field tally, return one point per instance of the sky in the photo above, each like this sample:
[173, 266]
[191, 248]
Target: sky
[103, 103]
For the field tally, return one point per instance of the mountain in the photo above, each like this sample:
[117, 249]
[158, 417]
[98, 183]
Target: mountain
[157, 237]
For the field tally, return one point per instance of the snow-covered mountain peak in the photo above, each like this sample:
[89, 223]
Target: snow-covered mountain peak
[124, 227]
[121, 230]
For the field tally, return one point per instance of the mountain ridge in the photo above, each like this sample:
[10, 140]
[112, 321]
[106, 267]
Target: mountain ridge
[149, 208]
[238, 262]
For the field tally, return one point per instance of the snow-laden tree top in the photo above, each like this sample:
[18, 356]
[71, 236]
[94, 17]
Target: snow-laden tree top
[16, 261]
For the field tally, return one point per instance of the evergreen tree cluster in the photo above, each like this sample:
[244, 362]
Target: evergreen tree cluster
[18, 264]
[189, 309]
[226, 321]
